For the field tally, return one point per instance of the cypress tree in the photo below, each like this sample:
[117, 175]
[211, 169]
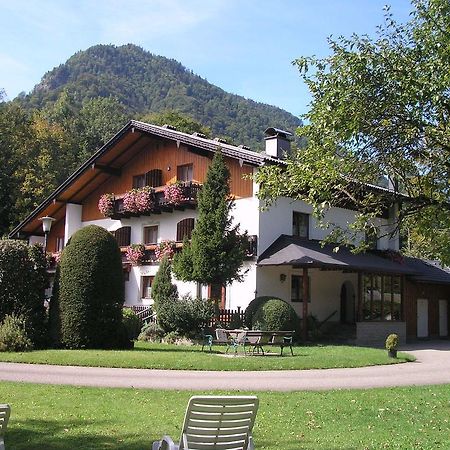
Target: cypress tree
[217, 250]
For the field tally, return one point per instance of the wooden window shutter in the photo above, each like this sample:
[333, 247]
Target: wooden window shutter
[184, 228]
[153, 178]
[123, 236]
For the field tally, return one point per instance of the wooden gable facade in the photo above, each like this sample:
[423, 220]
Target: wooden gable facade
[138, 149]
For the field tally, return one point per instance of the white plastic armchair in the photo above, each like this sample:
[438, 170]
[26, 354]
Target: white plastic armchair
[5, 411]
[215, 423]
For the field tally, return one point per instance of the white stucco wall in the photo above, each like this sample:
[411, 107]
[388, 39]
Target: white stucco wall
[325, 288]
[277, 220]
[72, 221]
[242, 293]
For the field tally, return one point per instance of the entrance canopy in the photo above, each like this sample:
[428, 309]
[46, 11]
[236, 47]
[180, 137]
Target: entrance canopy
[299, 252]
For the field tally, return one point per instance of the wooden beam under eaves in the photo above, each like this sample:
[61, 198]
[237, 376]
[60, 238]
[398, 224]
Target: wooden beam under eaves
[107, 169]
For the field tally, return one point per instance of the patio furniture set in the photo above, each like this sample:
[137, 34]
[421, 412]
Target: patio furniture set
[251, 341]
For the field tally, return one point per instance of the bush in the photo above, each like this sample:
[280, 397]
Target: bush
[132, 323]
[252, 307]
[91, 291]
[185, 316]
[173, 337]
[236, 322]
[151, 332]
[23, 279]
[13, 335]
[275, 315]
[392, 342]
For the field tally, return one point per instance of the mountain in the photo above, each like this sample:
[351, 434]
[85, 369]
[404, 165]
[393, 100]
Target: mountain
[145, 83]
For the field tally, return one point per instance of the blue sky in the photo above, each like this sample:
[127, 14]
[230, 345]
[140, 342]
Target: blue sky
[243, 46]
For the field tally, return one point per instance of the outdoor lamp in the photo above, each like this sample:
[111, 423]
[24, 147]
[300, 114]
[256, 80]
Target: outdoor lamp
[46, 226]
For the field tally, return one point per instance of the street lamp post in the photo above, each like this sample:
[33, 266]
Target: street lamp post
[46, 226]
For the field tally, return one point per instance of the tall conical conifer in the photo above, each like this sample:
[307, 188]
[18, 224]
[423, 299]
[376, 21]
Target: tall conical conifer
[216, 252]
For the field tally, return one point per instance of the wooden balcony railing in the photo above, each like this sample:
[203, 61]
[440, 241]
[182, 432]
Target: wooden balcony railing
[160, 203]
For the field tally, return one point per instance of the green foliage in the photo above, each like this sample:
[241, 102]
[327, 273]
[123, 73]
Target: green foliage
[91, 291]
[146, 83]
[54, 312]
[23, 280]
[162, 287]
[392, 342]
[132, 323]
[186, 316]
[251, 309]
[151, 332]
[379, 110]
[181, 122]
[13, 335]
[275, 315]
[81, 104]
[217, 250]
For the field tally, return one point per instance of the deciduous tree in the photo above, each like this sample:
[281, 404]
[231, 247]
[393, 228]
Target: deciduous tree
[380, 111]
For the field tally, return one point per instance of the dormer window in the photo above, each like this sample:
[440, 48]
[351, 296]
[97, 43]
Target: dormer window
[300, 224]
[185, 172]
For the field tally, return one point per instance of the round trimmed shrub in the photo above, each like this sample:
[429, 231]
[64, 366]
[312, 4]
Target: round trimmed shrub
[275, 315]
[23, 280]
[91, 291]
[252, 307]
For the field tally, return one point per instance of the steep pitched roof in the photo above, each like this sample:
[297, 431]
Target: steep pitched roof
[113, 155]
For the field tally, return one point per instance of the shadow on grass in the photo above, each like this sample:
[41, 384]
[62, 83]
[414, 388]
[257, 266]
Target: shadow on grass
[50, 435]
[167, 350]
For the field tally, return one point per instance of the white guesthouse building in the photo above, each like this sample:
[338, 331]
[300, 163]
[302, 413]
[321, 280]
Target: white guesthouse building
[375, 293]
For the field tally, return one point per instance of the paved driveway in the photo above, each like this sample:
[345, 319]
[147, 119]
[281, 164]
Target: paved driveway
[432, 367]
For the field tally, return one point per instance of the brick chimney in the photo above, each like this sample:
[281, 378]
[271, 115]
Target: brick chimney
[278, 142]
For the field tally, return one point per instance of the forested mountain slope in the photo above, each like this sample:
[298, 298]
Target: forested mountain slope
[145, 83]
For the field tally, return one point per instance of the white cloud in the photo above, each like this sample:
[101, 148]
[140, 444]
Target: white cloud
[140, 20]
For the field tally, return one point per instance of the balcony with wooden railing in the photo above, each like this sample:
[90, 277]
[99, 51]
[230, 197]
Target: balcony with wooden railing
[160, 201]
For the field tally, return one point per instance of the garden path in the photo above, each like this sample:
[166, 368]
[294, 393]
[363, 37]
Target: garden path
[432, 367]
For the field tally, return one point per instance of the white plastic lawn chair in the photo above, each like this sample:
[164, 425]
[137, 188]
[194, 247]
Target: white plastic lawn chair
[215, 423]
[5, 411]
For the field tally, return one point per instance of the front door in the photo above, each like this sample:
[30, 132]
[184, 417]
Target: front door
[443, 318]
[422, 317]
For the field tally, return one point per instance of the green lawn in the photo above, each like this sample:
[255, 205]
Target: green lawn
[163, 356]
[61, 417]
